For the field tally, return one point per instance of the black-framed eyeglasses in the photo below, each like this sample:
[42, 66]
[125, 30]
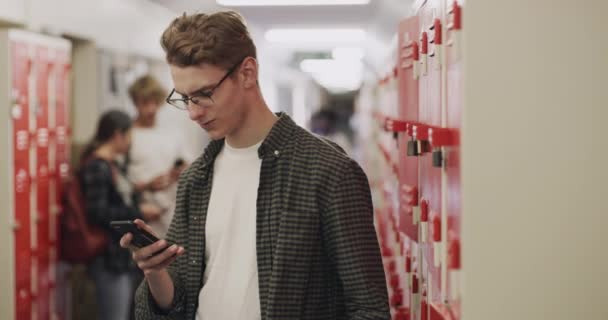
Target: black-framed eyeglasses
[203, 97]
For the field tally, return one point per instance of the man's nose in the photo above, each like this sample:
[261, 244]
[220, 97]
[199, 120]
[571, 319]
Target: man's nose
[195, 111]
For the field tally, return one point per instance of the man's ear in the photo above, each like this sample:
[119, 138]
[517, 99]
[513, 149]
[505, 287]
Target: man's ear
[249, 72]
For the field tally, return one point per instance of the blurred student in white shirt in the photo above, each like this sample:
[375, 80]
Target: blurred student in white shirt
[157, 155]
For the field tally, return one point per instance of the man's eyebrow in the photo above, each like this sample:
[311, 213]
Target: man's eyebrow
[207, 87]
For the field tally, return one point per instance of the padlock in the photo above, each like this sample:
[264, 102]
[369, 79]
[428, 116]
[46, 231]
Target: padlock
[437, 158]
[412, 148]
[423, 147]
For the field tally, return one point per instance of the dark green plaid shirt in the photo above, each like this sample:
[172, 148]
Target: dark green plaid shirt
[317, 252]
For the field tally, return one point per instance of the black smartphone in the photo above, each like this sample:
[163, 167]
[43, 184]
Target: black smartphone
[141, 237]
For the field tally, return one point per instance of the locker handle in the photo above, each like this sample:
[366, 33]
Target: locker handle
[456, 22]
[436, 229]
[456, 12]
[454, 254]
[424, 47]
[424, 211]
[453, 7]
[414, 54]
[437, 36]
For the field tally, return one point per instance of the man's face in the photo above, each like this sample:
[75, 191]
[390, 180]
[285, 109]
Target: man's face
[147, 110]
[224, 112]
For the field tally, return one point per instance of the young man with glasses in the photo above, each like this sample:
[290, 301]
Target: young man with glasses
[271, 221]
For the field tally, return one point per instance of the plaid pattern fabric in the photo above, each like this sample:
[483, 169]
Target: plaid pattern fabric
[317, 251]
[104, 203]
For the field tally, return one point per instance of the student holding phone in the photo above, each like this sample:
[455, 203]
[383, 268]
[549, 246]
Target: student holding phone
[157, 155]
[107, 197]
[271, 222]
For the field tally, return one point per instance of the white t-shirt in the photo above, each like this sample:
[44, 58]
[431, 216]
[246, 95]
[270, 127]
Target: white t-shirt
[230, 287]
[154, 152]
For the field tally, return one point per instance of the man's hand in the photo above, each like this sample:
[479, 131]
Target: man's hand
[153, 261]
[159, 183]
[154, 257]
[150, 212]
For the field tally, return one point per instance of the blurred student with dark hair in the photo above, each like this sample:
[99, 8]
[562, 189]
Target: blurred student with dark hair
[108, 196]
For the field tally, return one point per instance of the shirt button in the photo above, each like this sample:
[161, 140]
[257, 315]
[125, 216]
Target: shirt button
[193, 261]
[194, 218]
[276, 153]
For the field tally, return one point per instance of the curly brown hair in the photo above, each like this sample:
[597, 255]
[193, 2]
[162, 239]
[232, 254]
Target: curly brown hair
[219, 39]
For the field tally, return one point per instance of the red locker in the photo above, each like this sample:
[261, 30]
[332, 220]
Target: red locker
[430, 115]
[454, 106]
[60, 170]
[59, 138]
[38, 107]
[21, 147]
[43, 66]
[23, 252]
[408, 111]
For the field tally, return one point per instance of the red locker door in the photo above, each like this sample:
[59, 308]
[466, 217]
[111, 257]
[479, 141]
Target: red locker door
[53, 184]
[430, 115]
[62, 132]
[60, 174]
[21, 145]
[408, 111]
[42, 184]
[455, 100]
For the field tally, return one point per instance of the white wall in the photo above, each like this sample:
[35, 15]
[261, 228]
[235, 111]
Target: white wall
[132, 26]
[12, 11]
[534, 160]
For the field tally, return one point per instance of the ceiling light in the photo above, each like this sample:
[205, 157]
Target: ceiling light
[302, 36]
[247, 3]
[335, 75]
[343, 53]
[337, 83]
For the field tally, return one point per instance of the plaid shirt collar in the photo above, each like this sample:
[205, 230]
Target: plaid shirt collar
[273, 144]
